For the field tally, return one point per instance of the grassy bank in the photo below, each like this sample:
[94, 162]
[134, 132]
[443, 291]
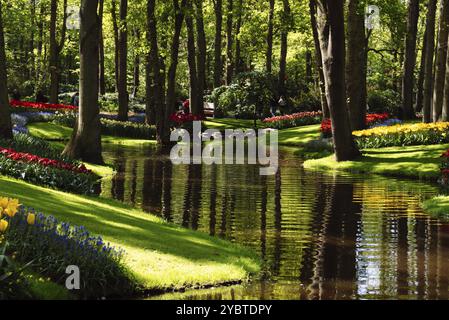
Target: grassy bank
[438, 206]
[161, 256]
[413, 162]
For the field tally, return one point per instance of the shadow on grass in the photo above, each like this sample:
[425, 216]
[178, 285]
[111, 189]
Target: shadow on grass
[129, 227]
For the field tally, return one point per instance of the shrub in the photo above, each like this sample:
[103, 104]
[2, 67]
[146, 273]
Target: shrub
[249, 92]
[403, 135]
[52, 246]
[386, 101]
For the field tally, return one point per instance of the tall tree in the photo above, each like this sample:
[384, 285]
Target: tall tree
[56, 48]
[428, 69]
[192, 61]
[269, 54]
[356, 65]
[123, 95]
[318, 59]
[285, 27]
[238, 47]
[174, 55]
[229, 42]
[154, 79]
[5, 117]
[410, 60]
[330, 21]
[136, 73]
[218, 65]
[420, 83]
[116, 41]
[440, 62]
[201, 55]
[102, 76]
[85, 143]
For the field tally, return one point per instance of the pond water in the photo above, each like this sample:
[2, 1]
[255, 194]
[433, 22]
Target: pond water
[321, 236]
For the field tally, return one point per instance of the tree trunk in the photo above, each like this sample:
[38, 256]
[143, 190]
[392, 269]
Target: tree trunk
[445, 111]
[230, 43]
[319, 60]
[238, 50]
[269, 55]
[85, 143]
[102, 77]
[154, 85]
[356, 65]
[420, 83]
[440, 62]
[428, 69]
[332, 44]
[174, 55]
[5, 117]
[410, 60]
[55, 49]
[218, 66]
[191, 57]
[123, 95]
[285, 26]
[116, 42]
[201, 56]
[40, 40]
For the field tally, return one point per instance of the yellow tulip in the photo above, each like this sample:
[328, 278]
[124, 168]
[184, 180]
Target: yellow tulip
[4, 202]
[31, 219]
[13, 203]
[11, 212]
[3, 225]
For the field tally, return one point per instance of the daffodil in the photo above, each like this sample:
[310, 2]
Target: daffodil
[3, 225]
[31, 218]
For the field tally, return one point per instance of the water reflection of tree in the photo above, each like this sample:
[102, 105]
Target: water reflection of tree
[334, 267]
[118, 182]
[192, 197]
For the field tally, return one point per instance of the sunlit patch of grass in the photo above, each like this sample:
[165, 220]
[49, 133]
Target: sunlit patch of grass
[160, 255]
[414, 162]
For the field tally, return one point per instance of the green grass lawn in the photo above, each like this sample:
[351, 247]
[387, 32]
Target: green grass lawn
[160, 255]
[230, 123]
[299, 136]
[438, 206]
[413, 161]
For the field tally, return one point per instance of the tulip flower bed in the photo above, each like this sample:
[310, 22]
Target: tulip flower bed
[182, 118]
[114, 128]
[372, 119]
[30, 158]
[51, 246]
[47, 172]
[41, 106]
[294, 120]
[403, 135]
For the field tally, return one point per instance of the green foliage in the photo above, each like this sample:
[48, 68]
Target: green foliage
[385, 101]
[13, 284]
[249, 93]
